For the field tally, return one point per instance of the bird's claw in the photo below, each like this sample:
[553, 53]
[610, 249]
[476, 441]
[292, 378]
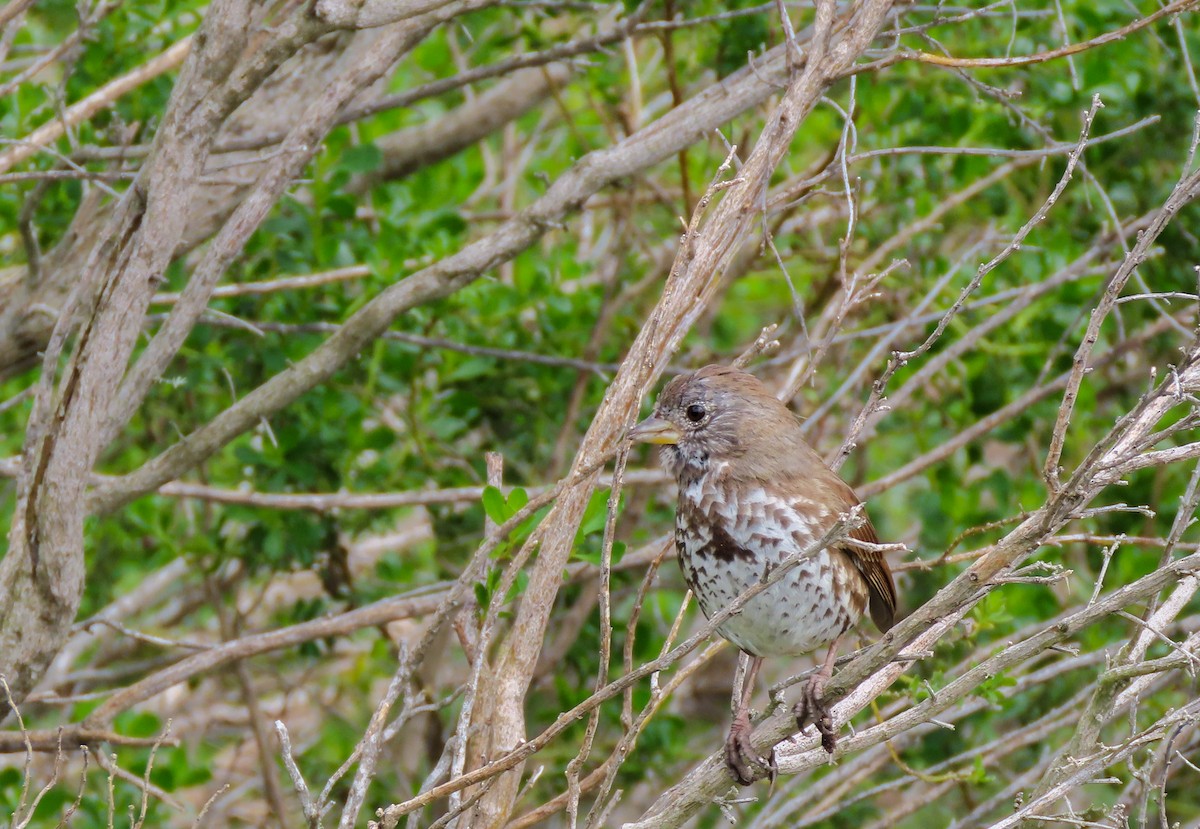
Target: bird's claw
[741, 758]
[812, 709]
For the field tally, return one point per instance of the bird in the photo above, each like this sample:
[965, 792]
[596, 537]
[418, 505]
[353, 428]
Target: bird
[751, 493]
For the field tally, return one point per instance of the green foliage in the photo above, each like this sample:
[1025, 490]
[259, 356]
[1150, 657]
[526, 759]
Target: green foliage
[407, 415]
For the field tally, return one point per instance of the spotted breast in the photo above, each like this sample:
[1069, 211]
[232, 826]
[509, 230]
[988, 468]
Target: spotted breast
[729, 537]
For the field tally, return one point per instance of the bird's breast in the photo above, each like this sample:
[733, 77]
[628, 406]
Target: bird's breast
[714, 509]
[730, 537]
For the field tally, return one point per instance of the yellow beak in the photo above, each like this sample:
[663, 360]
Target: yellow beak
[654, 430]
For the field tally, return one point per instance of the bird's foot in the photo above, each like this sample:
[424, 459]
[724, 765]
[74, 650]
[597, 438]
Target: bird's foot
[811, 709]
[741, 759]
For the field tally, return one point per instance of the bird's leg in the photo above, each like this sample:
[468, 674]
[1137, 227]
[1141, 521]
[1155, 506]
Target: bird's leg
[811, 707]
[740, 756]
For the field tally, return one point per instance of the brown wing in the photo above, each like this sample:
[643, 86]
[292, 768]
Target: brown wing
[877, 574]
[826, 486]
[787, 458]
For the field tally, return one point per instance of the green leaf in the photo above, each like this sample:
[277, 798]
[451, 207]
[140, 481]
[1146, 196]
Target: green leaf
[494, 505]
[141, 724]
[471, 368]
[618, 551]
[517, 499]
[483, 596]
[979, 774]
[362, 159]
[991, 689]
[595, 515]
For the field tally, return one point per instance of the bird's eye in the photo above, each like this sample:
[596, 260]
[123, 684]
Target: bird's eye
[696, 412]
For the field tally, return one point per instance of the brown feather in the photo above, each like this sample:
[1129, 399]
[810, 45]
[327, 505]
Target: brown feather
[871, 564]
[877, 574]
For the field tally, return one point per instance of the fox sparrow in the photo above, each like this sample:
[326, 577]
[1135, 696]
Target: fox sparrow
[752, 493]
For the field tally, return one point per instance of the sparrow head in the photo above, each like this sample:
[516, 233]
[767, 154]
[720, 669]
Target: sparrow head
[717, 414]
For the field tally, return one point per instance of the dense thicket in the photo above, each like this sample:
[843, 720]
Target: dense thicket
[321, 324]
